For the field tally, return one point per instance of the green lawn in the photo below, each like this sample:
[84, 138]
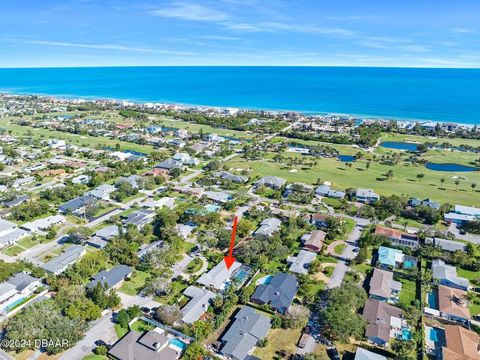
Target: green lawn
[29, 241]
[95, 357]
[194, 266]
[177, 289]
[408, 292]
[422, 139]
[13, 250]
[121, 332]
[404, 181]
[339, 249]
[141, 326]
[468, 274]
[135, 284]
[206, 129]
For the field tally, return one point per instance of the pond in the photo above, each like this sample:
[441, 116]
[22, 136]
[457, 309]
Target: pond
[399, 145]
[347, 158]
[450, 167]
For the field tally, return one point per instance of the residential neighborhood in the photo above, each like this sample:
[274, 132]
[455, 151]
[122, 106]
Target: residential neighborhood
[116, 218]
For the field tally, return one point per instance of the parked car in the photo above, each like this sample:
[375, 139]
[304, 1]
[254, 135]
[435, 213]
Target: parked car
[333, 353]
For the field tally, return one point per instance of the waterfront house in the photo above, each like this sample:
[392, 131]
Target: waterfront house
[278, 293]
[383, 287]
[247, 329]
[447, 275]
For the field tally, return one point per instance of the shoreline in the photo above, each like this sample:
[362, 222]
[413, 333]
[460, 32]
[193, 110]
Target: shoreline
[137, 102]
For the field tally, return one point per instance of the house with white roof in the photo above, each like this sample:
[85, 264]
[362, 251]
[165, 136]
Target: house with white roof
[10, 233]
[44, 224]
[101, 192]
[268, 227]
[447, 275]
[219, 276]
[366, 196]
[299, 264]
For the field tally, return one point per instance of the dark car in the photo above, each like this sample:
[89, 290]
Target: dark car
[333, 354]
[102, 343]
[145, 309]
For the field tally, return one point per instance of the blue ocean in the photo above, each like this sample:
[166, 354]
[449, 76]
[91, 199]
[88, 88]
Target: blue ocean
[425, 94]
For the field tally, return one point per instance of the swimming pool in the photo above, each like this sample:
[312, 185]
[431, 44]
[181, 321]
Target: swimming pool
[241, 275]
[264, 280]
[15, 303]
[212, 208]
[178, 343]
[432, 300]
[406, 334]
[409, 264]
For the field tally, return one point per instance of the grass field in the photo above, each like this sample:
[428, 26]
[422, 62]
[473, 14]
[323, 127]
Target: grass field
[121, 332]
[133, 286]
[422, 139]
[408, 292]
[141, 326]
[279, 340]
[404, 181]
[13, 250]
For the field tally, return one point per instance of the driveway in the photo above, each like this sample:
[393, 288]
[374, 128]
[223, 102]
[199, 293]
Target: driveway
[467, 237]
[338, 275]
[101, 329]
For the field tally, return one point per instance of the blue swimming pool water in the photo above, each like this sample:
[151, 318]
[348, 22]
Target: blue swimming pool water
[433, 335]
[241, 275]
[178, 343]
[432, 300]
[265, 280]
[408, 264]
[212, 208]
[15, 303]
[406, 334]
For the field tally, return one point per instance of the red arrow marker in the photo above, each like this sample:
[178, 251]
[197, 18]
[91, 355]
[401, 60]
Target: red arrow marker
[229, 260]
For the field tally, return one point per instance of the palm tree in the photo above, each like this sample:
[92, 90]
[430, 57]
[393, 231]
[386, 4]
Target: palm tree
[457, 182]
[442, 181]
[420, 176]
[367, 165]
[473, 185]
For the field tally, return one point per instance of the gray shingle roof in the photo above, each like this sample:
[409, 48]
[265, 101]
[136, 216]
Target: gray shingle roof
[111, 277]
[22, 280]
[244, 333]
[279, 293]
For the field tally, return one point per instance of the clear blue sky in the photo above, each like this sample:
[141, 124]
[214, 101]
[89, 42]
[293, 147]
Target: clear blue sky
[419, 33]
